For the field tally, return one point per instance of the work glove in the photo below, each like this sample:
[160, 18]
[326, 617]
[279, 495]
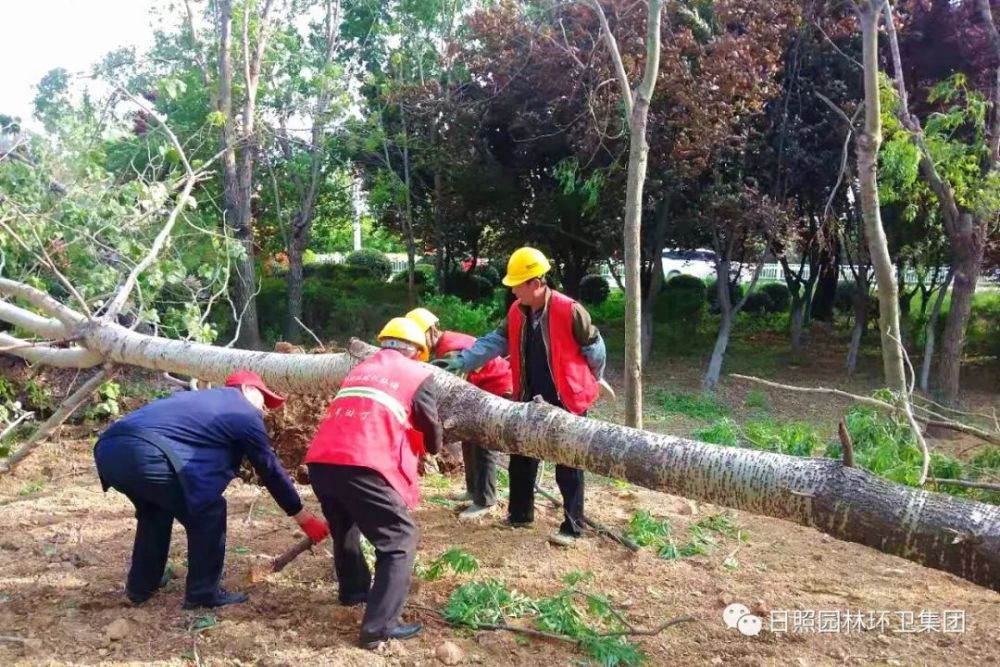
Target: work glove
[451, 364]
[315, 529]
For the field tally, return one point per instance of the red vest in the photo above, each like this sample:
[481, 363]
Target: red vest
[575, 382]
[493, 377]
[368, 423]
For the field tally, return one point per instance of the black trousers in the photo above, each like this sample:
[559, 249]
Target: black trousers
[358, 501]
[524, 473]
[142, 472]
[480, 474]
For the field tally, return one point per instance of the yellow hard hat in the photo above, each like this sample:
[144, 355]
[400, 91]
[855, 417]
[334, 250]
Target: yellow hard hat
[525, 264]
[423, 317]
[401, 328]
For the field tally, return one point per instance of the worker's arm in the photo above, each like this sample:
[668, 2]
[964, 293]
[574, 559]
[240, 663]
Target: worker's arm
[590, 341]
[259, 452]
[425, 415]
[257, 447]
[492, 345]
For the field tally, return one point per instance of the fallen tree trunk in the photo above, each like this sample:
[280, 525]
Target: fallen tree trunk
[958, 536]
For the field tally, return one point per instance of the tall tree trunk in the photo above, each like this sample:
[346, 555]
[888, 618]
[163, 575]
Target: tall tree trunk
[296, 280]
[797, 319]
[958, 536]
[967, 257]
[821, 305]
[637, 112]
[857, 335]
[868, 143]
[655, 259]
[719, 351]
[930, 333]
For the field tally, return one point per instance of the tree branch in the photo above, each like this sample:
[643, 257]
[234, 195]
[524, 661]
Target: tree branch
[616, 57]
[47, 327]
[40, 300]
[41, 354]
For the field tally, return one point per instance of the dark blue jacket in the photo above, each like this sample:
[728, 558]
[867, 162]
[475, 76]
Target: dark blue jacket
[209, 432]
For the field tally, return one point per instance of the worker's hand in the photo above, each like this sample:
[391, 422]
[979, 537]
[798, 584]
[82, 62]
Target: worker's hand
[450, 364]
[315, 529]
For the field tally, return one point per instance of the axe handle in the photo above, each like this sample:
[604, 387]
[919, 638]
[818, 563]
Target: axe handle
[279, 563]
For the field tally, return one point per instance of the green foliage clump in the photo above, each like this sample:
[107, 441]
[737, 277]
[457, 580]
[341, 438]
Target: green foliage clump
[454, 559]
[883, 445]
[611, 311]
[778, 295]
[645, 530]
[469, 285]
[375, 261]
[792, 438]
[696, 406]
[485, 602]
[681, 303]
[736, 293]
[105, 402]
[722, 431]
[757, 400]
[458, 315]
[594, 289]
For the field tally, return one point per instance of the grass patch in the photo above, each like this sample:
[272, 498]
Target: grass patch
[721, 432]
[697, 406]
[437, 481]
[757, 400]
[31, 488]
[645, 530]
[792, 438]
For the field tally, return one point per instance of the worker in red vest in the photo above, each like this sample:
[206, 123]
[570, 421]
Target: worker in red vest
[555, 352]
[363, 467]
[495, 378]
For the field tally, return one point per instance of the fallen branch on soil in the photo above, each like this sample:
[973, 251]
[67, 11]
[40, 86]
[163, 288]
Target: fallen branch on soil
[13, 425]
[541, 634]
[966, 484]
[68, 407]
[12, 640]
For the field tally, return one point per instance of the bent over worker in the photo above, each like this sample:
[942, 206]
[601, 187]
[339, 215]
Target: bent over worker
[556, 353]
[363, 467]
[173, 458]
[495, 378]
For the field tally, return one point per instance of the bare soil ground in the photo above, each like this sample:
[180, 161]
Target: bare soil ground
[64, 550]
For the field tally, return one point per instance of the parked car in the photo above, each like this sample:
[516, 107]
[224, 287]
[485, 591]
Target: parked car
[698, 263]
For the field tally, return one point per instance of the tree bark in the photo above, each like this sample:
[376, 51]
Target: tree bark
[958, 536]
[930, 333]
[868, 143]
[637, 112]
[967, 257]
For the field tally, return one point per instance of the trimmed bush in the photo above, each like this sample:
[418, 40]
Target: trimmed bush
[779, 296]
[490, 273]
[712, 295]
[458, 315]
[375, 261]
[594, 290]
[469, 286]
[757, 303]
[682, 302]
[423, 274]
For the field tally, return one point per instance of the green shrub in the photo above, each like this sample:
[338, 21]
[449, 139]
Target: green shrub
[490, 273]
[468, 286]
[375, 261]
[780, 297]
[423, 276]
[458, 315]
[757, 303]
[594, 290]
[722, 432]
[792, 438]
[712, 295]
[611, 311]
[681, 303]
[757, 400]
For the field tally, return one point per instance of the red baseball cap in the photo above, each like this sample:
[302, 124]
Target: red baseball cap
[251, 379]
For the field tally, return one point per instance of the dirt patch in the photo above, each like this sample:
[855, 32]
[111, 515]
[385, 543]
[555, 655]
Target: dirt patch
[64, 549]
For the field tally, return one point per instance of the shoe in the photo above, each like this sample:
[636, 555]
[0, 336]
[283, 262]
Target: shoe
[137, 598]
[475, 511]
[564, 539]
[221, 599]
[400, 632]
[510, 523]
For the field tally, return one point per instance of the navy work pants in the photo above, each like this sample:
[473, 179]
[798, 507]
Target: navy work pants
[143, 473]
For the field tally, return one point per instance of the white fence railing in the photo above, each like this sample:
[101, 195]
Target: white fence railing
[772, 272]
